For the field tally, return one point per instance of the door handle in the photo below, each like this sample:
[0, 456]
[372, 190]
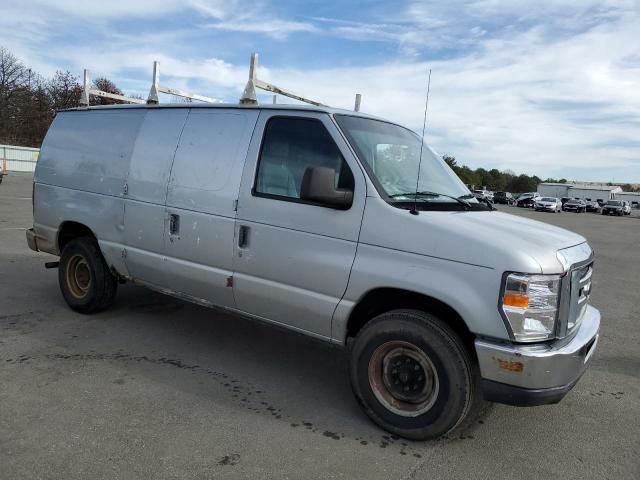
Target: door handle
[174, 224]
[243, 236]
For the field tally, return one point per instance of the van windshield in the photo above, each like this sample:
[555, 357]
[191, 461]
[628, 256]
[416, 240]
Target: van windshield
[391, 155]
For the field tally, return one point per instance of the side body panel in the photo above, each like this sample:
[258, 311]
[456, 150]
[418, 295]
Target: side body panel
[295, 264]
[145, 213]
[81, 173]
[202, 194]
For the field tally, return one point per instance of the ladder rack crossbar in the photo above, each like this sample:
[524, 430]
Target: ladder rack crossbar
[182, 93]
[115, 96]
[249, 94]
[156, 88]
[88, 91]
[281, 91]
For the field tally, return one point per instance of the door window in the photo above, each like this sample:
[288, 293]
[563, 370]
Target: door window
[290, 146]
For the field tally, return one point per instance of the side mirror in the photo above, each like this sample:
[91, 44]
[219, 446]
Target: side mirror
[318, 185]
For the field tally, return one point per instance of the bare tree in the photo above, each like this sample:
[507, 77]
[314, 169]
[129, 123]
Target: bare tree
[13, 84]
[64, 90]
[105, 85]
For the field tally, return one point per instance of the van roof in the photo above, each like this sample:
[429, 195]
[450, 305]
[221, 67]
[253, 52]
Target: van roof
[281, 106]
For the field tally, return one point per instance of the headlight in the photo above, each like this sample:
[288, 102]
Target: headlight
[530, 305]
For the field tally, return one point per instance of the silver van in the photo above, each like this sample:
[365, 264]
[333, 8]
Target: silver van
[309, 218]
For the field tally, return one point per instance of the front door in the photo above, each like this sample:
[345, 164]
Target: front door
[292, 259]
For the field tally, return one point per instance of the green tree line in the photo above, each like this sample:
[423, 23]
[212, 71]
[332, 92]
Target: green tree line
[507, 181]
[496, 180]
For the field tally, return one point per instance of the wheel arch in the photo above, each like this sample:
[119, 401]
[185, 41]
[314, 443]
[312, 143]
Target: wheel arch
[380, 300]
[70, 230]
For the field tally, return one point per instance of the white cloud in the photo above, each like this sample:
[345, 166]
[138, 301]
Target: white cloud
[526, 102]
[544, 89]
[274, 27]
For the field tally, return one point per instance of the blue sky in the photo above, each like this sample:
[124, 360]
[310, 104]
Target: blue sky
[550, 87]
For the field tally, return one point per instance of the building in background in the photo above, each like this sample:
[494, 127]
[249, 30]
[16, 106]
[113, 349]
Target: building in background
[577, 190]
[555, 190]
[632, 197]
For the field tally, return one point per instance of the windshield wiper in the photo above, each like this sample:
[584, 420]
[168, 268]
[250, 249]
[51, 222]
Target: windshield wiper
[460, 200]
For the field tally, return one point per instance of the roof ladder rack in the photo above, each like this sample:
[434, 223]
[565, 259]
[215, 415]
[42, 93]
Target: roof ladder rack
[156, 88]
[249, 93]
[87, 91]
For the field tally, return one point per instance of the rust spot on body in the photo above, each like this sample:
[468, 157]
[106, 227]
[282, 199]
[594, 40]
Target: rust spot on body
[509, 365]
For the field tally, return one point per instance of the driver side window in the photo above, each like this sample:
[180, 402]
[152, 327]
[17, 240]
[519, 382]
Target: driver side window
[290, 146]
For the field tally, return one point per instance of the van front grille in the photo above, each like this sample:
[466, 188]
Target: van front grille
[580, 293]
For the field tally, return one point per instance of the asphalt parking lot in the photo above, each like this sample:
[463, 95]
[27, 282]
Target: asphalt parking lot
[159, 388]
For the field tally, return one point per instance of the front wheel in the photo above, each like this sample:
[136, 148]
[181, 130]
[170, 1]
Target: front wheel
[412, 375]
[86, 283]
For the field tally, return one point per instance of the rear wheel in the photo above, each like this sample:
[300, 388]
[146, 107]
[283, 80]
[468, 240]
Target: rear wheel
[412, 375]
[86, 283]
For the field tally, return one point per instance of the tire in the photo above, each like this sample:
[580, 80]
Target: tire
[420, 342]
[86, 283]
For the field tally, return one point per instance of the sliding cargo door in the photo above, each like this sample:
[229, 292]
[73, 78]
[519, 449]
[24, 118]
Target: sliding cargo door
[146, 191]
[201, 203]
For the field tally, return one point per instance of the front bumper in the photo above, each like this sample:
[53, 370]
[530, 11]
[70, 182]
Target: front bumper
[527, 375]
[550, 208]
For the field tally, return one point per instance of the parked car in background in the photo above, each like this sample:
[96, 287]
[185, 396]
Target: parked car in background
[593, 207]
[613, 207]
[484, 193]
[564, 200]
[577, 206]
[527, 200]
[504, 198]
[548, 204]
[483, 199]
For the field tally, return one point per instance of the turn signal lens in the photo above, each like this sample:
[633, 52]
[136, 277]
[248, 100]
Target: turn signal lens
[515, 300]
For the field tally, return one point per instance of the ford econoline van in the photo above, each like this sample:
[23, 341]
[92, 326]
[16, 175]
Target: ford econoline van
[309, 218]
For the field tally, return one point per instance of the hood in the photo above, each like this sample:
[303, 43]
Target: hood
[514, 237]
[485, 238]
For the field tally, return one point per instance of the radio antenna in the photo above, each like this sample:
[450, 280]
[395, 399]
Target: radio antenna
[414, 211]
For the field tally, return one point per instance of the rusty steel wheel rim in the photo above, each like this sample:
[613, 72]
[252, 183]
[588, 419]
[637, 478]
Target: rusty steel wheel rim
[78, 276]
[403, 378]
